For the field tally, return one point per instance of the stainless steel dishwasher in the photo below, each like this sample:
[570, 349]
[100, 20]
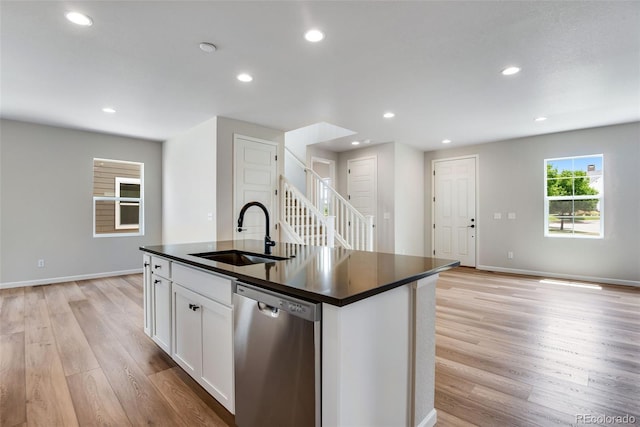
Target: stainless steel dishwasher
[277, 359]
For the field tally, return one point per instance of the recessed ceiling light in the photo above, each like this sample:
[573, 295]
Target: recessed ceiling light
[355, 143]
[314, 35]
[108, 110]
[509, 71]
[540, 119]
[388, 115]
[79, 19]
[446, 141]
[367, 141]
[244, 77]
[207, 47]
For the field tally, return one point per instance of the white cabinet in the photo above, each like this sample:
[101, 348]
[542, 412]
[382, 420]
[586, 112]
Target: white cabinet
[203, 330]
[157, 282]
[146, 293]
[161, 312]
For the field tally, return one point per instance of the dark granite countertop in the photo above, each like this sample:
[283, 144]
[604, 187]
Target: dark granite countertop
[336, 276]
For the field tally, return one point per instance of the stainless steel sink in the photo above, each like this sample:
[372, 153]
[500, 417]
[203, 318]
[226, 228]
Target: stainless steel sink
[239, 258]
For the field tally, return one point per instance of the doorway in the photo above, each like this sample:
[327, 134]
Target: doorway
[326, 170]
[255, 178]
[455, 223]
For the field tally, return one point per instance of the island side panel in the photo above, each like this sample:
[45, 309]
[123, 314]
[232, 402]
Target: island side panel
[367, 361]
[424, 353]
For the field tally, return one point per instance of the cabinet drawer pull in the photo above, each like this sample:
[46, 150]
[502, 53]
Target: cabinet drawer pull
[194, 307]
[155, 282]
[157, 266]
[146, 264]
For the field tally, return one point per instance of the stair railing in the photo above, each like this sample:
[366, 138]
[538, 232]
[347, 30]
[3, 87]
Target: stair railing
[300, 216]
[352, 229]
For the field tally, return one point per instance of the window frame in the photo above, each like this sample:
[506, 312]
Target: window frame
[118, 200]
[123, 201]
[547, 199]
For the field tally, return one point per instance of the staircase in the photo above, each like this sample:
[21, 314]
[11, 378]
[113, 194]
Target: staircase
[326, 219]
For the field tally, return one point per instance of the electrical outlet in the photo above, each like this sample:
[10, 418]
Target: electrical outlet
[510, 254]
[497, 215]
[40, 263]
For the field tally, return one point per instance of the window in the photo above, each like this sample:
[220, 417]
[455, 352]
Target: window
[117, 198]
[574, 196]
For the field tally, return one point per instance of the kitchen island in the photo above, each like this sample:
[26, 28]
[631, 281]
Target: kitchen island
[377, 322]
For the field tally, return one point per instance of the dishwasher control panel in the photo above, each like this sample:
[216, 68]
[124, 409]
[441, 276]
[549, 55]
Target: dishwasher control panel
[294, 306]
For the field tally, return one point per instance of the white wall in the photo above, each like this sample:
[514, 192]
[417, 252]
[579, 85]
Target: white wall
[409, 200]
[226, 128]
[46, 182]
[511, 179]
[189, 185]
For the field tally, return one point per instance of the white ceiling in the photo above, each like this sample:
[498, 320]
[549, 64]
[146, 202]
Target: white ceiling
[435, 64]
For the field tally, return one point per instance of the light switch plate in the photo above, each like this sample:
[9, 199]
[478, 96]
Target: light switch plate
[497, 215]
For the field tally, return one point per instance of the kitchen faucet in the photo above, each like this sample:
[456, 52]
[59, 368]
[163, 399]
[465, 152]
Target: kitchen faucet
[267, 240]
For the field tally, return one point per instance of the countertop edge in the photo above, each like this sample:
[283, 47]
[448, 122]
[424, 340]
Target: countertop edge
[301, 293]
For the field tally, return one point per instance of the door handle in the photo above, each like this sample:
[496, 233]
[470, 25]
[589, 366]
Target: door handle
[471, 226]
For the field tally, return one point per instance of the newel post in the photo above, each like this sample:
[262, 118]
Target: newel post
[331, 231]
[370, 227]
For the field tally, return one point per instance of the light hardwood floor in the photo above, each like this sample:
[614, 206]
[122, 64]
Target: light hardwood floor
[511, 351]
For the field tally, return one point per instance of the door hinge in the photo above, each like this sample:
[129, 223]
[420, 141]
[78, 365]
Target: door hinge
[434, 173]
[434, 251]
[276, 192]
[434, 199]
[276, 226]
[434, 226]
[348, 170]
[349, 223]
[349, 196]
[276, 157]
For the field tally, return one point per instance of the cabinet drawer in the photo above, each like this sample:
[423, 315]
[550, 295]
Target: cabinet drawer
[161, 267]
[218, 288]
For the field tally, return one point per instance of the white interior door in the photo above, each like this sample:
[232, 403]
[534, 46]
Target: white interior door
[455, 210]
[361, 184]
[362, 187]
[255, 180]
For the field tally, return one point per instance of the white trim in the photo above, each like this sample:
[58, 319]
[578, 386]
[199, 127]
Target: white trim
[561, 276]
[477, 197]
[430, 420]
[68, 278]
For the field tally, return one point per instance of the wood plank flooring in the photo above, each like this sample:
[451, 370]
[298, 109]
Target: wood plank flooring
[518, 351]
[510, 351]
[75, 354]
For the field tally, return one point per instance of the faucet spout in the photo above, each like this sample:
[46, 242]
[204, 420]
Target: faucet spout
[268, 243]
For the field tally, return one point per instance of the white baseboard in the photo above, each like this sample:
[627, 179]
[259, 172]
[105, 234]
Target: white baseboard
[68, 278]
[560, 276]
[430, 420]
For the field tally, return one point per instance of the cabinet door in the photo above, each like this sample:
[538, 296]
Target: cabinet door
[161, 312]
[217, 352]
[146, 292]
[187, 315]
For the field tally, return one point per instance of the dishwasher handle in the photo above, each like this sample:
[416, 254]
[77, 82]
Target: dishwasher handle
[268, 310]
